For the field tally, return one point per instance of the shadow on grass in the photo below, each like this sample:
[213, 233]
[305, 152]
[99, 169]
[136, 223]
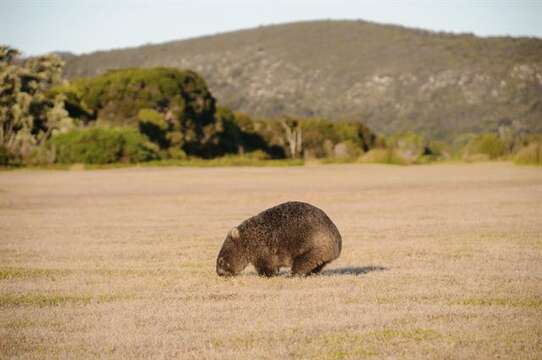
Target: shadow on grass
[349, 270]
[352, 270]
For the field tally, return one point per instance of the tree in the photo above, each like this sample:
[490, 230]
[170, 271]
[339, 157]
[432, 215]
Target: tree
[175, 108]
[29, 114]
[294, 137]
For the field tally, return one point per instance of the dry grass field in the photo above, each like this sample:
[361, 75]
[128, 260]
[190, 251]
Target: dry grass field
[438, 261]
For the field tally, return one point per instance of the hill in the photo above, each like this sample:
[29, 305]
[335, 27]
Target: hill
[390, 77]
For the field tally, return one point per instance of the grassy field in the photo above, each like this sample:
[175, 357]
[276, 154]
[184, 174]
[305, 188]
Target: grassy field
[438, 261]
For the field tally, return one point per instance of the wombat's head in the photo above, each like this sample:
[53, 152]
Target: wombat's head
[231, 259]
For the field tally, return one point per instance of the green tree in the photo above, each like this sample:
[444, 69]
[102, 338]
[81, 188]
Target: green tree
[251, 139]
[29, 115]
[154, 126]
[174, 108]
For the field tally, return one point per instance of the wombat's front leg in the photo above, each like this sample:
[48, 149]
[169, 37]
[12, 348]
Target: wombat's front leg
[265, 268]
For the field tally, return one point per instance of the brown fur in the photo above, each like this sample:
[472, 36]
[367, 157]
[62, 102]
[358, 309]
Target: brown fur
[293, 234]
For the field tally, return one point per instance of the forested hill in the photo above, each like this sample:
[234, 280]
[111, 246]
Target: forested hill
[392, 78]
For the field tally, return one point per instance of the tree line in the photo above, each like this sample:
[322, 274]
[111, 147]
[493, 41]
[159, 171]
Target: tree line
[136, 115]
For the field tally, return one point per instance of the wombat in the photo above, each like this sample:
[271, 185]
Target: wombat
[293, 234]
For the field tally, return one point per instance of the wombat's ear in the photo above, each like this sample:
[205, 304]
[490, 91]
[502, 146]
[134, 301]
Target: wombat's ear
[234, 233]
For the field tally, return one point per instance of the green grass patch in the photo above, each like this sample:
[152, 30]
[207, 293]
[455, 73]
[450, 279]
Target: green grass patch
[16, 324]
[52, 299]
[362, 345]
[339, 160]
[252, 339]
[15, 273]
[11, 273]
[335, 345]
[231, 160]
[132, 272]
[416, 334]
[534, 303]
[196, 162]
[19, 324]
[225, 161]
[345, 346]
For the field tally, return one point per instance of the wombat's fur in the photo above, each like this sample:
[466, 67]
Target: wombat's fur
[292, 234]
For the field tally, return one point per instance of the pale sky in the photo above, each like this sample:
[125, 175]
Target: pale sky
[81, 26]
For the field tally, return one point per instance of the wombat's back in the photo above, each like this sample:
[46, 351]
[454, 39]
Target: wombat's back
[296, 226]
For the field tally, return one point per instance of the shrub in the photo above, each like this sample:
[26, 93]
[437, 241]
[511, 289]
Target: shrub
[228, 135]
[103, 146]
[476, 158]
[118, 95]
[43, 155]
[485, 144]
[383, 156]
[438, 150]
[250, 139]
[318, 138]
[343, 139]
[530, 154]
[347, 150]
[153, 125]
[29, 115]
[459, 144]
[176, 154]
[136, 147]
[356, 133]
[257, 155]
[173, 108]
[5, 156]
[409, 146]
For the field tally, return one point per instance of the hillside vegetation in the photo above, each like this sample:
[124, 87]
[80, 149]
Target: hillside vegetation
[392, 78]
[134, 115]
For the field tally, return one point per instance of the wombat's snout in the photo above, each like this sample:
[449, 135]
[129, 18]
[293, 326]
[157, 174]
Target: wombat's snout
[220, 268]
[222, 272]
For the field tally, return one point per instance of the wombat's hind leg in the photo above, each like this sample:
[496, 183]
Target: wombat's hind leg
[319, 268]
[307, 264]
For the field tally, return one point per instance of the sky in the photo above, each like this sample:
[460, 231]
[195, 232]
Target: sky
[82, 26]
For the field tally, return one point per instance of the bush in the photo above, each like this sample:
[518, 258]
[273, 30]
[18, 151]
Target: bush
[228, 135]
[342, 139]
[118, 95]
[356, 133]
[409, 146]
[152, 124]
[459, 145]
[438, 150]
[347, 150]
[103, 146]
[173, 108]
[257, 155]
[383, 156]
[5, 156]
[176, 154]
[42, 155]
[250, 139]
[485, 144]
[530, 154]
